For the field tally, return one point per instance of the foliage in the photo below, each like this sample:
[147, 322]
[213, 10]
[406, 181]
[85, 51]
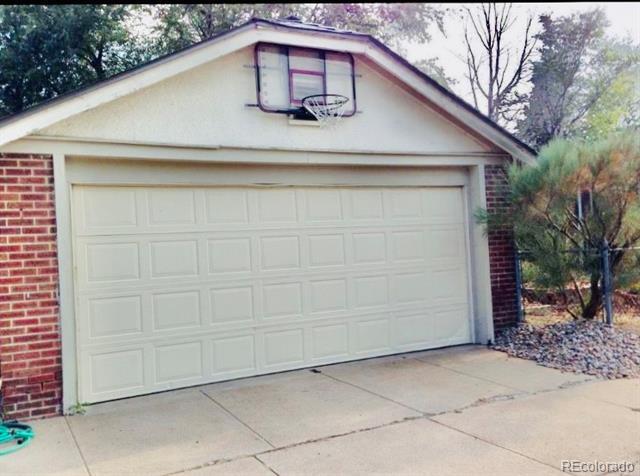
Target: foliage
[179, 25]
[47, 50]
[581, 81]
[562, 245]
[617, 109]
[493, 77]
[431, 67]
[389, 22]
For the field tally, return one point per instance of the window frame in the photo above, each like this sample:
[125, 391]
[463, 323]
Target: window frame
[286, 49]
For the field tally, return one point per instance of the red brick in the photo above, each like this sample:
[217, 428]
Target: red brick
[501, 252]
[25, 171]
[30, 358]
[33, 196]
[19, 188]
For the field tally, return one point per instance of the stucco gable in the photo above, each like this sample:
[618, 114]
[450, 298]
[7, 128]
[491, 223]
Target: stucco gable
[207, 106]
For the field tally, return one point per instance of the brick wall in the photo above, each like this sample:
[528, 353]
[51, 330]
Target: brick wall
[501, 252]
[30, 360]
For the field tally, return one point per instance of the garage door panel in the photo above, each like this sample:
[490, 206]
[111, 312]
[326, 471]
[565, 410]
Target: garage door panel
[328, 295]
[367, 205]
[326, 250]
[99, 311]
[323, 205]
[414, 329]
[446, 243]
[234, 355]
[283, 348]
[112, 262]
[171, 206]
[225, 206]
[408, 245]
[288, 296]
[232, 304]
[173, 258]
[108, 208]
[119, 372]
[175, 310]
[277, 206]
[329, 342]
[282, 300]
[449, 328]
[113, 210]
[114, 316]
[410, 287]
[193, 285]
[369, 247]
[230, 255]
[443, 205]
[178, 362]
[372, 336]
[370, 291]
[450, 286]
[280, 252]
[405, 204]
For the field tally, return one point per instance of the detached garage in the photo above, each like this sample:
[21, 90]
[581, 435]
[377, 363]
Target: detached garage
[281, 196]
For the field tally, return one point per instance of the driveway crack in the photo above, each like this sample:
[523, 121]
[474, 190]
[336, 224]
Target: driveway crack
[235, 417]
[496, 445]
[372, 393]
[75, 440]
[267, 466]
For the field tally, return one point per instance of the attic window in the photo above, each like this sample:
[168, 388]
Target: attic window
[286, 75]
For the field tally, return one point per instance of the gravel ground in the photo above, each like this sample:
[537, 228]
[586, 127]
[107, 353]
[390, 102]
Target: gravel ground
[586, 347]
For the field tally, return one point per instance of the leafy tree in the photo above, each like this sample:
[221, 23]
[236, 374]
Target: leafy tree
[431, 67]
[575, 71]
[564, 244]
[493, 75]
[617, 109]
[47, 50]
[389, 22]
[179, 25]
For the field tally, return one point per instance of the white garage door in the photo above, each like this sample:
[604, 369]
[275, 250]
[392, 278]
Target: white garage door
[178, 286]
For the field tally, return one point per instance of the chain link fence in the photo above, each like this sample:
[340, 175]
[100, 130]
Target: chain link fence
[601, 262]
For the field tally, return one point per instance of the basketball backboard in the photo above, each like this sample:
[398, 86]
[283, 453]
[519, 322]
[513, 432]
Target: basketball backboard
[287, 74]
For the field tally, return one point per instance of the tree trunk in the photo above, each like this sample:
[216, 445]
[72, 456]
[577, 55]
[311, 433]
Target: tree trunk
[595, 300]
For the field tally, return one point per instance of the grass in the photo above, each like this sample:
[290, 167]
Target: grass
[540, 316]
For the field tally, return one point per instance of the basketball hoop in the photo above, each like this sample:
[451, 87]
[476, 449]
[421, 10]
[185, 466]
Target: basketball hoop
[328, 109]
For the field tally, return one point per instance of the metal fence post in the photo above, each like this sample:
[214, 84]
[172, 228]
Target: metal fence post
[518, 264]
[606, 281]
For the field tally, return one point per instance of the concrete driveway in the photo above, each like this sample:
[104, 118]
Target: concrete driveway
[460, 411]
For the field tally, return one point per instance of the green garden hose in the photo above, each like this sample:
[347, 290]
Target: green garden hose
[14, 436]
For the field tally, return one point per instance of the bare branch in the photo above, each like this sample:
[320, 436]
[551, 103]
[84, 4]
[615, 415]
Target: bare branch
[491, 25]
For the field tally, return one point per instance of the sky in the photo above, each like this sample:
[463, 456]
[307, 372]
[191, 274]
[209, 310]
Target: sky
[450, 49]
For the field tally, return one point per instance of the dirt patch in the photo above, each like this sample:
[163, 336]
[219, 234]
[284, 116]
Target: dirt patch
[624, 302]
[544, 315]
